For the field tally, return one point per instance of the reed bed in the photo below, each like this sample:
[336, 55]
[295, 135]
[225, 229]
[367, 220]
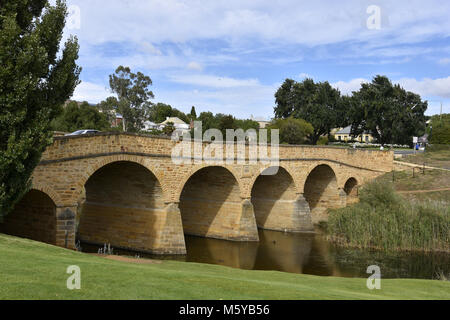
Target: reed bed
[384, 220]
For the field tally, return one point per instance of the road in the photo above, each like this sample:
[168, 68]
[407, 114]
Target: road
[406, 152]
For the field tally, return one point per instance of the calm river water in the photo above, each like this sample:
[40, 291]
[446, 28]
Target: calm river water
[302, 253]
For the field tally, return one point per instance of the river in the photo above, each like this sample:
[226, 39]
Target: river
[308, 253]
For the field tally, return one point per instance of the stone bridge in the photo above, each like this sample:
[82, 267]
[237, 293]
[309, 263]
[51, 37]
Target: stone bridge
[125, 189]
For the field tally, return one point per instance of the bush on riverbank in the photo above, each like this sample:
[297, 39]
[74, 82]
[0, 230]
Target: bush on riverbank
[383, 219]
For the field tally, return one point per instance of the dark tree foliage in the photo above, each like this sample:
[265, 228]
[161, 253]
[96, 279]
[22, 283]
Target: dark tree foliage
[160, 112]
[390, 113]
[36, 77]
[317, 103]
[79, 117]
[193, 114]
[292, 131]
[223, 122]
[439, 129]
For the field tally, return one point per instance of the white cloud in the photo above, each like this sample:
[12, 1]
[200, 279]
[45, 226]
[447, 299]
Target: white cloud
[428, 87]
[150, 48]
[348, 87]
[444, 61]
[304, 76]
[91, 92]
[212, 81]
[194, 66]
[310, 23]
[241, 102]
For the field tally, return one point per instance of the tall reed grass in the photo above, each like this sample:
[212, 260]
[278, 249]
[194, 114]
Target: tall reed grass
[384, 220]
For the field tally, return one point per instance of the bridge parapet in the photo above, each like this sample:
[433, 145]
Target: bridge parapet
[67, 148]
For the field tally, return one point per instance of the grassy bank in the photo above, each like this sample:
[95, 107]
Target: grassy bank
[434, 156]
[385, 220]
[32, 270]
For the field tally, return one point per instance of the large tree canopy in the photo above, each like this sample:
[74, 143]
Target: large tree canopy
[133, 98]
[160, 111]
[36, 77]
[387, 111]
[317, 103]
[292, 131]
[81, 116]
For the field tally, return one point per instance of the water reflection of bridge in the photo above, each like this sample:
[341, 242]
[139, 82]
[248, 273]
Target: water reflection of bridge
[296, 253]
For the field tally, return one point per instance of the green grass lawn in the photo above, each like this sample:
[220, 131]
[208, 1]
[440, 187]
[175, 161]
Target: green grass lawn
[33, 270]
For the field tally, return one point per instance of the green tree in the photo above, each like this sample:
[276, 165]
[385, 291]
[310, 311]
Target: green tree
[440, 129]
[160, 112]
[317, 103]
[108, 107]
[193, 114]
[169, 128]
[387, 111]
[133, 97]
[292, 131]
[78, 117]
[34, 82]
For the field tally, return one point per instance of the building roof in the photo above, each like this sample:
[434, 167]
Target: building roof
[346, 130]
[174, 120]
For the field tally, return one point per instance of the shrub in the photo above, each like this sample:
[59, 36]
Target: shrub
[322, 141]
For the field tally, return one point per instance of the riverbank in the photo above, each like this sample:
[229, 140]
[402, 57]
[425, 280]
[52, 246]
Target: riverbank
[397, 211]
[33, 270]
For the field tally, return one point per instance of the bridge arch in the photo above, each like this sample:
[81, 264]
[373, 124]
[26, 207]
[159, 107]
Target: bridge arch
[124, 206]
[54, 196]
[350, 186]
[33, 217]
[351, 190]
[92, 167]
[321, 191]
[197, 168]
[273, 195]
[211, 205]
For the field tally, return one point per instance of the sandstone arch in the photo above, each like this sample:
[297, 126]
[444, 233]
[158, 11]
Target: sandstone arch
[277, 203]
[351, 190]
[133, 219]
[211, 206]
[33, 217]
[96, 164]
[321, 192]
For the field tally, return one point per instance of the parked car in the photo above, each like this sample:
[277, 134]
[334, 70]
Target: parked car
[81, 132]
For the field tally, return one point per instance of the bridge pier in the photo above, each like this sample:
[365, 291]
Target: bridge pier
[65, 227]
[248, 230]
[169, 238]
[284, 215]
[342, 198]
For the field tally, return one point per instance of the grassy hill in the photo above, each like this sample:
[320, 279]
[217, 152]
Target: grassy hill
[33, 270]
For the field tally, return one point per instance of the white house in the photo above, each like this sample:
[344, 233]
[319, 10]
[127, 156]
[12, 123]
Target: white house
[180, 126]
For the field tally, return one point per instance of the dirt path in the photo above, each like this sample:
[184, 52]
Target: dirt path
[424, 191]
[409, 164]
[127, 259]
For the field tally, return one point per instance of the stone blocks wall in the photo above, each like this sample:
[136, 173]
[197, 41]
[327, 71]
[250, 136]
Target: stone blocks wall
[151, 213]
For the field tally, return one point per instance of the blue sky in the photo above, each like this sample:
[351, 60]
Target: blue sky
[231, 56]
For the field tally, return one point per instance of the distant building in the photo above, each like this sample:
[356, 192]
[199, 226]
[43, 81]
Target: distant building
[344, 136]
[117, 120]
[148, 125]
[261, 121]
[180, 125]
